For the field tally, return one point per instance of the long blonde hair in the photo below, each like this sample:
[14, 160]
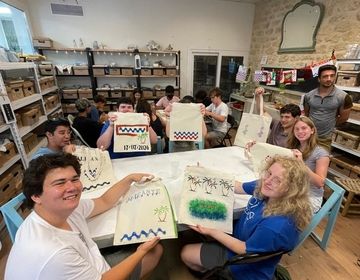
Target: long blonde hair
[295, 202]
[294, 143]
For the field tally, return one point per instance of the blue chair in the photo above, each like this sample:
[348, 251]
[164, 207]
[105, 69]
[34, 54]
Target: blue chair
[330, 209]
[12, 218]
[199, 146]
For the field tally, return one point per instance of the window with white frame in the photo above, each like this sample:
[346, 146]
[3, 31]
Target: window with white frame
[14, 30]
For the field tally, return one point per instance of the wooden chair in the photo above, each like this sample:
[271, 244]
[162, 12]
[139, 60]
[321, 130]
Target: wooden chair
[330, 209]
[11, 216]
[352, 186]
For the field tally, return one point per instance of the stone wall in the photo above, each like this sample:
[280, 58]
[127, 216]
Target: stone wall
[340, 26]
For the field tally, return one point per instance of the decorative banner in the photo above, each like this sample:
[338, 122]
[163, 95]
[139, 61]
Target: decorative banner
[207, 198]
[185, 122]
[271, 78]
[241, 74]
[287, 77]
[258, 76]
[253, 127]
[145, 212]
[260, 153]
[131, 133]
[96, 171]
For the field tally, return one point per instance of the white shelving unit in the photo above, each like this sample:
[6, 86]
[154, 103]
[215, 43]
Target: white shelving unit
[352, 152]
[15, 70]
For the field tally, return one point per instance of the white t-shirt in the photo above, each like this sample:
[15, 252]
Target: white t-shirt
[42, 251]
[222, 110]
[164, 101]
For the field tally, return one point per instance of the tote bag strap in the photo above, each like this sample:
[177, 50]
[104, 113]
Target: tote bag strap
[261, 105]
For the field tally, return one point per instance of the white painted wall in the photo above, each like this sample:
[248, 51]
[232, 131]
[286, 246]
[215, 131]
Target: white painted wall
[186, 24]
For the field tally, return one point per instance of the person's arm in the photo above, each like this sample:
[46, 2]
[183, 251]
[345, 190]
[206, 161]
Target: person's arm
[127, 266]
[321, 169]
[344, 111]
[153, 135]
[232, 243]
[105, 139]
[245, 187]
[159, 104]
[112, 195]
[259, 91]
[306, 106]
[217, 117]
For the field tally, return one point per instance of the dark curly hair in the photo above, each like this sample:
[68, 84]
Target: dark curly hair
[38, 169]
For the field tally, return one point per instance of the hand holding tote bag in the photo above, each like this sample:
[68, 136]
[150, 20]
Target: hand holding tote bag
[260, 153]
[253, 127]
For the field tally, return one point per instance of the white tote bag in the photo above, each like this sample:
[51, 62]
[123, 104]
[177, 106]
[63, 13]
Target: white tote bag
[145, 212]
[131, 133]
[207, 198]
[96, 171]
[260, 153]
[253, 127]
[185, 122]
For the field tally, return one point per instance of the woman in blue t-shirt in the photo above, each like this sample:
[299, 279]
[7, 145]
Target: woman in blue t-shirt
[277, 211]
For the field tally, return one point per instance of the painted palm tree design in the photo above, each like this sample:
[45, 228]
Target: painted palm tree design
[196, 183]
[226, 187]
[142, 137]
[209, 184]
[191, 179]
[161, 212]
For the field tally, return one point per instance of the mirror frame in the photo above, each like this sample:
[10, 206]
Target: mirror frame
[300, 48]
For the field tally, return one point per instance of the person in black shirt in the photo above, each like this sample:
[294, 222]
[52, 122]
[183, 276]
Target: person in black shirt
[88, 128]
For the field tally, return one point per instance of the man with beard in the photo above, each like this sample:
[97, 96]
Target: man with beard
[327, 105]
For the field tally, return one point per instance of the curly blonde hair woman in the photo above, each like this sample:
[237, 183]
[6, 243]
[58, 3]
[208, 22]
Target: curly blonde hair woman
[303, 141]
[271, 221]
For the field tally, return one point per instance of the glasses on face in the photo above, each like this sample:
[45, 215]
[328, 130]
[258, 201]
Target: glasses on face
[274, 180]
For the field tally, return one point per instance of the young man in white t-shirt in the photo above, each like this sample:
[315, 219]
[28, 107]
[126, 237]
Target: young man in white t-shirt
[218, 112]
[54, 240]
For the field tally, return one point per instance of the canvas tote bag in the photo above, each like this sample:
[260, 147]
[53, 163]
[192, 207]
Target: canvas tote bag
[253, 127]
[185, 122]
[145, 212]
[260, 153]
[131, 133]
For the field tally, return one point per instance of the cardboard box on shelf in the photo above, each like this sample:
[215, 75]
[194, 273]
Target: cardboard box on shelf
[70, 93]
[348, 78]
[81, 70]
[342, 165]
[116, 93]
[51, 101]
[71, 108]
[8, 154]
[15, 89]
[128, 93]
[355, 112]
[46, 69]
[114, 71]
[147, 94]
[30, 141]
[348, 139]
[126, 71]
[171, 71]
[85, 93]
[158, 72]
[64, 71]
[29, 116]
[145, 72]
[42, 42]
[28, 88]
[99, 70]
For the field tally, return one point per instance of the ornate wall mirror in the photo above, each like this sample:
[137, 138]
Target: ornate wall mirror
[299, 27]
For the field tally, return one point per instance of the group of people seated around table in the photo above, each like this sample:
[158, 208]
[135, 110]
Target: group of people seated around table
[54, 241]
[97, 128]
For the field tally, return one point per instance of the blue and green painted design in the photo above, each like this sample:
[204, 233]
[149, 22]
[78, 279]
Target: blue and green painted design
[207, 209]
